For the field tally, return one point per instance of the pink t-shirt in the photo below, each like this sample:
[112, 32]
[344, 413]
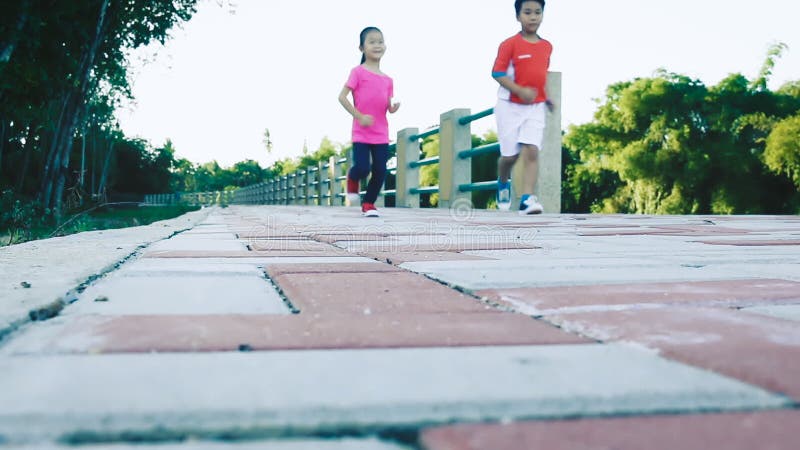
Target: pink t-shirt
[371, 95]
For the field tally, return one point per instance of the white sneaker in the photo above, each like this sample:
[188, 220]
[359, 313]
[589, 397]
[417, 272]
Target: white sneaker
[353, 199]
[504, 196]
[530, 205]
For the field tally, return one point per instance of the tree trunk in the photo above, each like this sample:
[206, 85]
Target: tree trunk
[101, 187]
[28, 149]
[82, 175]
[2, 143]
[7, 49]
[58, 158]
[94, 164]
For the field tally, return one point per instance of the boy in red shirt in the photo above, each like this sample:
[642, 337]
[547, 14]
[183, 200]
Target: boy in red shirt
[521, 70]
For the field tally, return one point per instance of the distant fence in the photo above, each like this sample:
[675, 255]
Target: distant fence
[324, 184]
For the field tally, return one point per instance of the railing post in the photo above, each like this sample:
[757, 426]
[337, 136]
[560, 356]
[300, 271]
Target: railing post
[291, 188]
[285, 189]
[333, 174]
[407, 178]
[309, 186]
[453, 171]
[299, 187]
[549, 182]
[270, 191]
[320, 190]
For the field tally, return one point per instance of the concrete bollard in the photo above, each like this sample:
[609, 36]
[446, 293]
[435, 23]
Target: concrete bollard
[453, 171]
[407, 178]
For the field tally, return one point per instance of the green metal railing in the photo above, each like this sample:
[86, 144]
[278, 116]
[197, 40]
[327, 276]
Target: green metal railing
[324, 184]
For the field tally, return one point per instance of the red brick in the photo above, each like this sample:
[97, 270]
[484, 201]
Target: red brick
[376, 293]
[755, 243]
[773, 430]
[759, 350]
[356, 235]
[398, 258]
[274, 270]
[281, 245]
[214, 333]
[332, 251]
[731, 293]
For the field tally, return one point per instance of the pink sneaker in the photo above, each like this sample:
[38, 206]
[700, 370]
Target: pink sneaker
[369, 210]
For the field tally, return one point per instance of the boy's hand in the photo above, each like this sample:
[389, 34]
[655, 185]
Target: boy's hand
[394, 106]
[365, 120]
[528, 95]
[550, 105]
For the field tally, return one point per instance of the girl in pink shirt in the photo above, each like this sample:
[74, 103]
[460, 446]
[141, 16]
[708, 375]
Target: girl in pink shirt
[372, 97]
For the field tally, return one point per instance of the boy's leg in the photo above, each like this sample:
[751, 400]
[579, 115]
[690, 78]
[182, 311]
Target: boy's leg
[530, 159]
[531, 139]
[529, 203]
[380, 154]
[508, 123]
[504, 166]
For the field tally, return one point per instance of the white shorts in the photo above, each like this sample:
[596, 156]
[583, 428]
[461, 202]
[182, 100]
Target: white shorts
[519, 124]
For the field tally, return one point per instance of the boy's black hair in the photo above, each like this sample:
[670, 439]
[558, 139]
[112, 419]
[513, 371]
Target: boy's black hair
[363, 38]
[518, 4]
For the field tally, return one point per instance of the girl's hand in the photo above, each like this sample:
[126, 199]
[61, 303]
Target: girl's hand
[365, 120]
[528, 95]
[550, 105]
[394, 106]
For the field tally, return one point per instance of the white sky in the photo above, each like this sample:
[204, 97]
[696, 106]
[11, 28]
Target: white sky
[280, 64]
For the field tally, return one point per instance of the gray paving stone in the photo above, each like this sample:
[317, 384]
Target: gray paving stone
[187, 266]
[366, 389]
[197, 243]
[487, 274]
[180, 294]
[54, 267]
[788, 312]
[285, 444]
[259, 261]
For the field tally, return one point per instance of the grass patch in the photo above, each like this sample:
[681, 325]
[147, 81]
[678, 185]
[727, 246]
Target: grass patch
[102, 217]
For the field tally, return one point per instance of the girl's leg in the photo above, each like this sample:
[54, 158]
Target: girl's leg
[380, 154]
[360, 168]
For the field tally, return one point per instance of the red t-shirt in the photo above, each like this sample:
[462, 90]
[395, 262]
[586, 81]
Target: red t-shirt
[524, 62]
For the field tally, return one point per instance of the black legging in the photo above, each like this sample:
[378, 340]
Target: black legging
[362, 153]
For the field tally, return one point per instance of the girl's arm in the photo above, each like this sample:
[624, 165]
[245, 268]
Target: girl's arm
[364, 119]
[393, 105]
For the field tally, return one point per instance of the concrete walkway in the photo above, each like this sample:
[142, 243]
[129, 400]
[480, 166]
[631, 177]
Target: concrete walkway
[291, 328]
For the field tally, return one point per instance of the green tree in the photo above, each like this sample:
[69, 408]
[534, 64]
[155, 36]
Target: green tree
[60, 63]
[670, 145]
[246, 173]
[782, 153]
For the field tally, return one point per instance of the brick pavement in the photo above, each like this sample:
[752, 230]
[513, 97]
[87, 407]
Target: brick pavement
[422, 330]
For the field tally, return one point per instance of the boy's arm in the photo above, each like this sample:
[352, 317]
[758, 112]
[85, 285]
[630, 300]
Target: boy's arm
[525, 93]
[551, 106]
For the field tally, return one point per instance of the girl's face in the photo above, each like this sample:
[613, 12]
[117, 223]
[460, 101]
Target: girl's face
[373, 46]
[530, 16]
